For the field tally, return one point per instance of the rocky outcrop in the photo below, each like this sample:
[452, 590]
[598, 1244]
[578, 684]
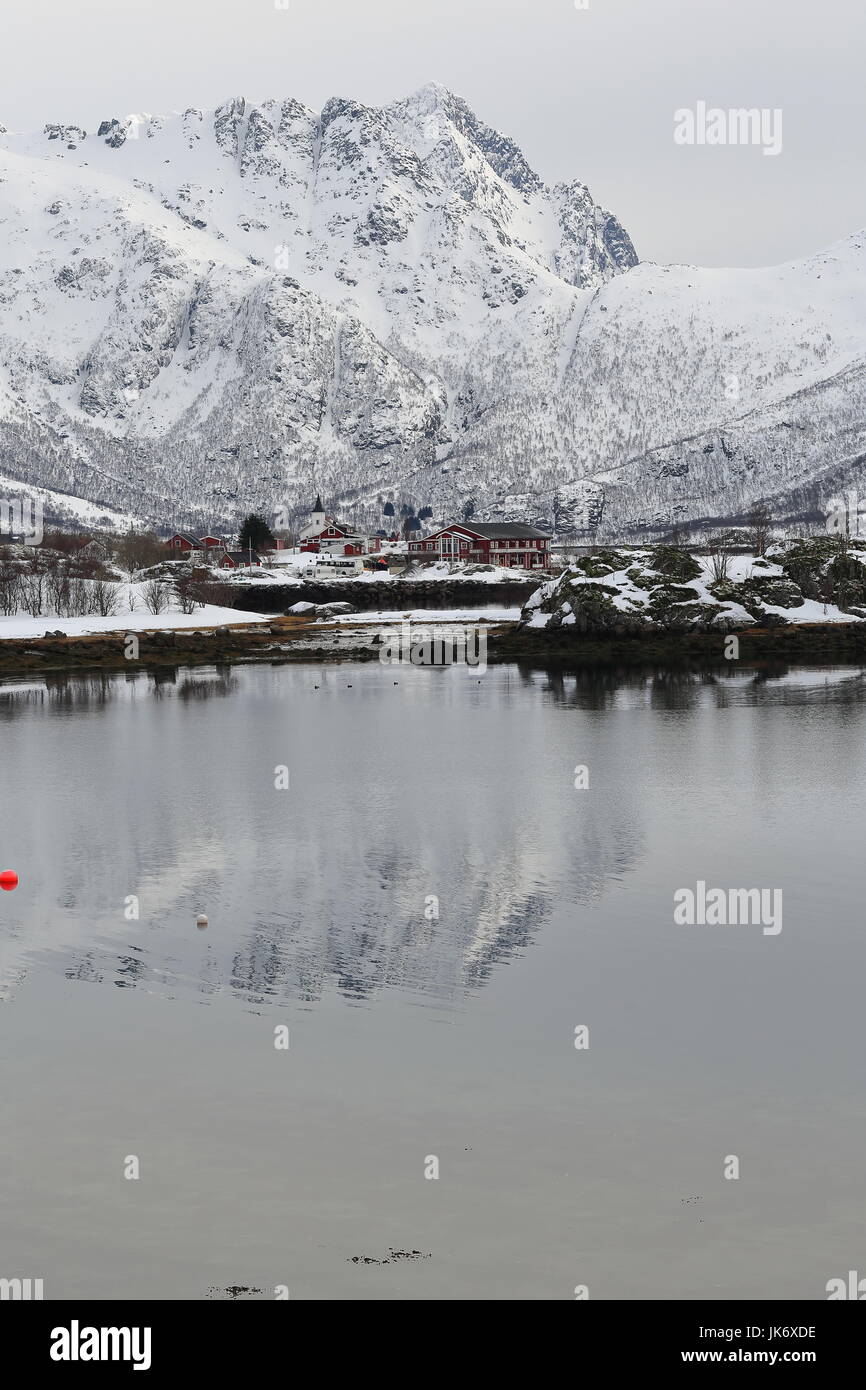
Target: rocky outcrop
[634, 591]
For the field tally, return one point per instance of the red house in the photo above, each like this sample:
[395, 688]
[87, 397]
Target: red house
[325, 533]
[335, 536]
[211, 543]
[239, 560]
[488, 543]
[179, 541]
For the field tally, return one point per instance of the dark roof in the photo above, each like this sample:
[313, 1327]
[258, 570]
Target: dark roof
[318, 507]
[507, 530]
[238, 555]
[341, 526]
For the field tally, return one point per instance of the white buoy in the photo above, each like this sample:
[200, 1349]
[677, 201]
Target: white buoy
[201, 921]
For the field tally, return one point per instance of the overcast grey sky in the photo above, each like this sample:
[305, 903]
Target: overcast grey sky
[587, 93]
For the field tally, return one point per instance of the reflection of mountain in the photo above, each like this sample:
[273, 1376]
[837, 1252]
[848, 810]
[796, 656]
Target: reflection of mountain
[440, 797]
[439, 791]
[444, 795]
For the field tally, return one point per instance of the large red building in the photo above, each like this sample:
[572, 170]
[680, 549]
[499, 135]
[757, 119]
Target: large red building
[334, 536]
[489, 543]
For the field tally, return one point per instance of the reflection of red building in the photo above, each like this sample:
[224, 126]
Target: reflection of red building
[489, 543]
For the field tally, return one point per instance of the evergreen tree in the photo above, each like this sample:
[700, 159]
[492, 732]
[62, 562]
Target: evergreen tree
[255, 533]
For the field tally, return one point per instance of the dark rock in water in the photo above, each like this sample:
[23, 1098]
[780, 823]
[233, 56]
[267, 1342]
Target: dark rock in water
[393, 1256]
[233, 1291]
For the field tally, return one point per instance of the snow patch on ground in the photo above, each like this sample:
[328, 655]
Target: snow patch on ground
[23, 625]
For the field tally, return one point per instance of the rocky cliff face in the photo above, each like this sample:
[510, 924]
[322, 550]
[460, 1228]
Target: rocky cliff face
[213, 310]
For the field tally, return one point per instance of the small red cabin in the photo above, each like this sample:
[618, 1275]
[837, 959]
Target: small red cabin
[239, 559]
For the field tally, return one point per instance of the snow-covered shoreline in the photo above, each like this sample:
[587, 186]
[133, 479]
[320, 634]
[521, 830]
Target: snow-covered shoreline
[25, 626]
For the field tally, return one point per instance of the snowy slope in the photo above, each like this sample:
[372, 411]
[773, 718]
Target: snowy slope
[212, 310]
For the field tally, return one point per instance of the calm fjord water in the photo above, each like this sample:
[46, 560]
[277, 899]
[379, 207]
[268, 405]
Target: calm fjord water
[413, 1036]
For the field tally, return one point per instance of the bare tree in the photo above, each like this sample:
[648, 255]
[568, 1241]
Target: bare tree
[218, 592]
[185, 594]
[86, 565]
[760, 524]
[10, 586]
[104, 596]
[720, 547]
[156, 595]
[33, 592]
[66, 542]
[78, 599]
[138, 550]
[57, 584]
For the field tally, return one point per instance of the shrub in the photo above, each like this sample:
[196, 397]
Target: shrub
[156, 595]
[103, 597]
[674, 563]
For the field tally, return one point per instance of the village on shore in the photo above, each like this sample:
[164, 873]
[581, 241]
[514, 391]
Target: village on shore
[546, 592]
[334, 548]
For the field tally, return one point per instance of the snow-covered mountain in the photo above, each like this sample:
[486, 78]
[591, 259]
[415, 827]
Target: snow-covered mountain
[212, 310]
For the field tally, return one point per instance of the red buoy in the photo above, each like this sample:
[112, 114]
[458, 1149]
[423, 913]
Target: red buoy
[8, 880]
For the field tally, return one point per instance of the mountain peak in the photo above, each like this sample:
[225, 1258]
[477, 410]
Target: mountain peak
[275, 291]
[432, 96]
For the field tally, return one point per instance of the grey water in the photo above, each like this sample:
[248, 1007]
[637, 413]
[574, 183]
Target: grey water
[398, 868]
